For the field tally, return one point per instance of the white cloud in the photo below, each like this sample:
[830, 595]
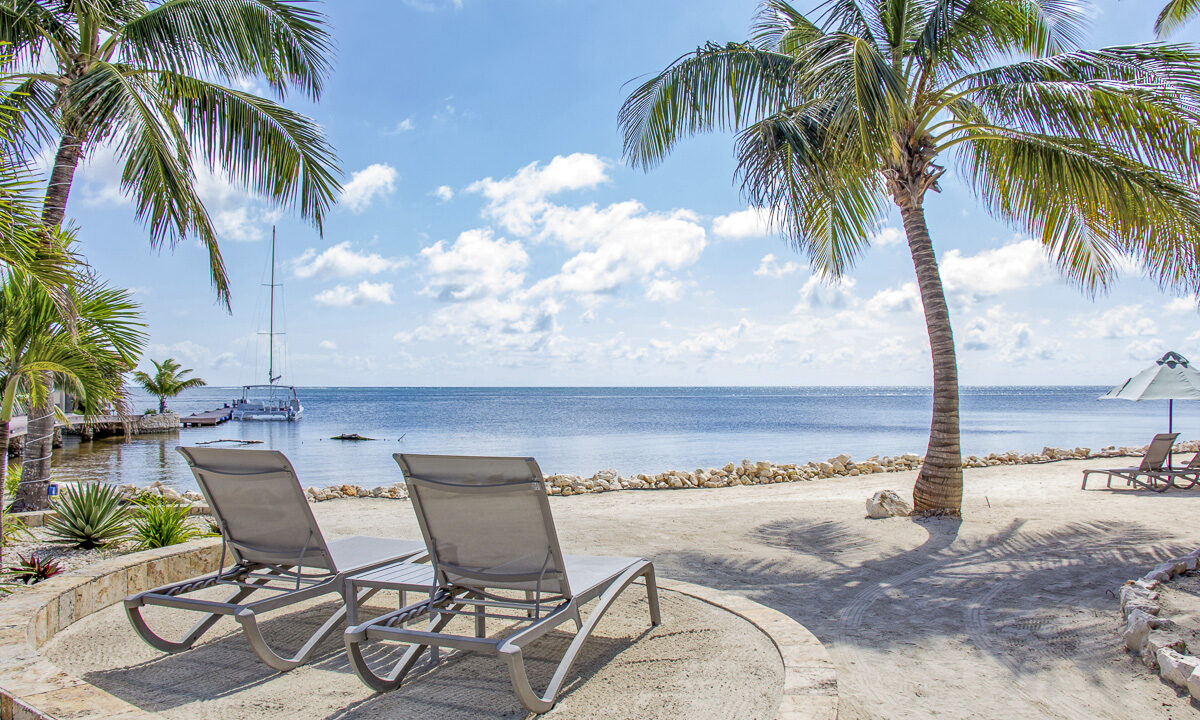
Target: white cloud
[365, 293]
[1181, 305]
[405, 125]
[1144, 350]
[905, 298]
[820, 293]
[237, 214]
[888, 236]
[443, 193]
[475, 266]
[664, 290]
[769, 267]
[1004, 337]
[748, 223]
[618, 244]
[704, 344]
[341, 261]
[328, 345]
[515, 202]
[1123, 321]
[1014, 266]
[365, 185]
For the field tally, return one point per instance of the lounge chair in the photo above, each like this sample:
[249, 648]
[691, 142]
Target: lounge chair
[268, 530]
[1185, 476]
[1152, 466]
[492, 546]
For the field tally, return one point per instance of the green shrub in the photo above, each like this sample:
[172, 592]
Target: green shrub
[11, 529]
[11, 481]
[88, 516]
[159, 522]
[32, 569]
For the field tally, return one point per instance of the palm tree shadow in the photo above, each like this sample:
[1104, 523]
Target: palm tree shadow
[996, 590]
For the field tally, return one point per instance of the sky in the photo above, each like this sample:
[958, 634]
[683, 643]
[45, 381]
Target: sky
[490, 234]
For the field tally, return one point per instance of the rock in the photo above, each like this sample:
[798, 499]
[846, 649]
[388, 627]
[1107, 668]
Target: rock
[1137, 629]
[1193, 684]
[887, 503]
[1176, 668]
[170, 494]
[1157, 640]
[1133, 595]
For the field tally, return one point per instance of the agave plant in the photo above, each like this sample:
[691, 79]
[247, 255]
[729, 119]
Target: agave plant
[33, 569]
[88, 516]
[159, 522]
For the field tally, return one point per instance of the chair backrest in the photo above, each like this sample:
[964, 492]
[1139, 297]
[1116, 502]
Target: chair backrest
[257, 499]
[486, 522]
[1158, 452]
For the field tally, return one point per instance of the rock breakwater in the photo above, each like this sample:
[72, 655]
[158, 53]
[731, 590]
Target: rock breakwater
[756, 473]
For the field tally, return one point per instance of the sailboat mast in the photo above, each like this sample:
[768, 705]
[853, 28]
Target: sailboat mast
[271, 333]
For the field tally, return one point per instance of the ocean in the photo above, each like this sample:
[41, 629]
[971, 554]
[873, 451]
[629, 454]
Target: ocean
[631, 430]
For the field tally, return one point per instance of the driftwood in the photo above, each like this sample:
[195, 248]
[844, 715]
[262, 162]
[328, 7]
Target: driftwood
[231, 440]
[350, 436]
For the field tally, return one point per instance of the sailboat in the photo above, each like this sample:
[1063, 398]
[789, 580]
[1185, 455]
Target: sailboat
[271, 401]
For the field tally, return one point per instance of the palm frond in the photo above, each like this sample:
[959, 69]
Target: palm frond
[266, 147]
[282, 42]
[1088, 204]
[1175, 15]
[716, 87]
[823, 195]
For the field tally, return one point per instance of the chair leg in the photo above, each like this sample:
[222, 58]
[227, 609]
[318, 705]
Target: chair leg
[249, 622]
[133, 610]
[356, 637]
[513, 656]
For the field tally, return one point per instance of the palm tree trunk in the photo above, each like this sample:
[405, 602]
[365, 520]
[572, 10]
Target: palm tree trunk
[162, 404]
[939, 486]
[39, 437]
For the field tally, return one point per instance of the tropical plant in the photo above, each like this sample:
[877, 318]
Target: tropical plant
[33, 569]
[86, 355]
[12, 479]
[88, 516]
[1175, 15]
[155, 81]
[11, 529]
[1090, 151]
[158, 522]
[167, 381]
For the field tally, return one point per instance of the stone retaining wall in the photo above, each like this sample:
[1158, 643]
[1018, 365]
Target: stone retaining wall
[1152, 636]
[32, 688]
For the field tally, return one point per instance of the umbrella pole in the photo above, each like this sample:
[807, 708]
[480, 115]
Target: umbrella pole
[1171, 428]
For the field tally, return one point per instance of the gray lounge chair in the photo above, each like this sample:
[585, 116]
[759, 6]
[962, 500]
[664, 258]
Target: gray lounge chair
[1152, 467]
[492, 546]
[1186, 476]
[269, 531]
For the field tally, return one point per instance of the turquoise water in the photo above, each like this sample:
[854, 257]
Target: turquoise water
[581, 430]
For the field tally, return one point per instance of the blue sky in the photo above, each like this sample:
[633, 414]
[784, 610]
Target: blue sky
[490, 235]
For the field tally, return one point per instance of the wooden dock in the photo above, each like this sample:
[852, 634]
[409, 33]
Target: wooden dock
[208, 418]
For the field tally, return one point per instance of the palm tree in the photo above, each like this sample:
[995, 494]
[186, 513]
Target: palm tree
[1175, 15]
[1088, 150]
[167, 381]
[137, 75]
[87, 356]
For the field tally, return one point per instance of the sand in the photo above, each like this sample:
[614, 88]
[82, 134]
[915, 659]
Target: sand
[701, 662]
[1010, 613]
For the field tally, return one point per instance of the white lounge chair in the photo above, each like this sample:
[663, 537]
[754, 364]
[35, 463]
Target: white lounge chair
[269, 532]
[492, 547]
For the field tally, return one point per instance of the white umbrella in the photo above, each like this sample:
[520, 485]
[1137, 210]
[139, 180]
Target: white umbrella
[1171, 378]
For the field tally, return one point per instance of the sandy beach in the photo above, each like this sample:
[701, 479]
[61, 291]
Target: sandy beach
[1009, 614]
